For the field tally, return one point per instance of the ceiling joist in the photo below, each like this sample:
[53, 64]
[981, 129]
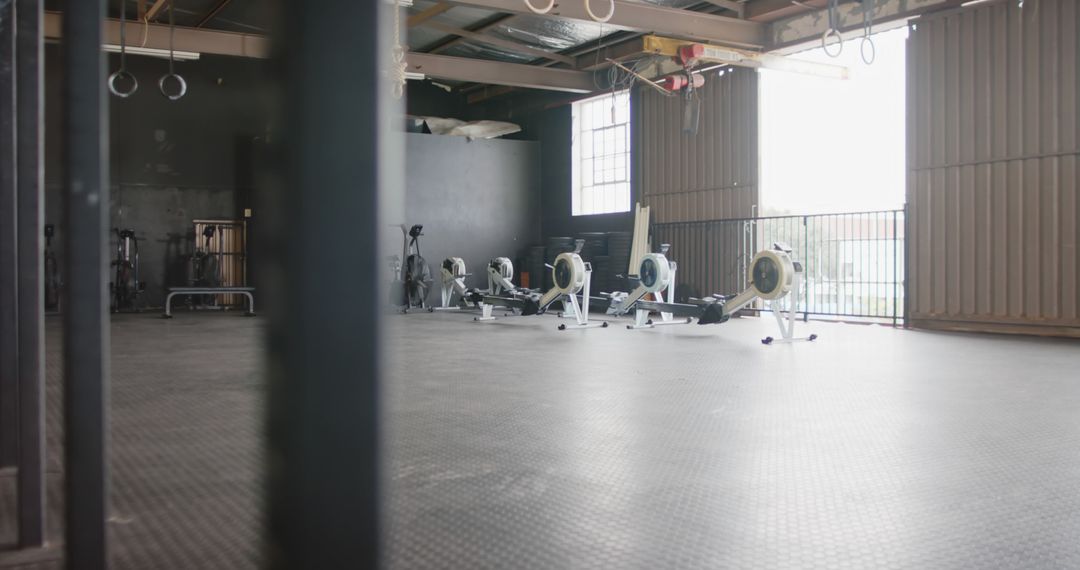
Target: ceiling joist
[641, 17]
[499, 42]
[257, 46]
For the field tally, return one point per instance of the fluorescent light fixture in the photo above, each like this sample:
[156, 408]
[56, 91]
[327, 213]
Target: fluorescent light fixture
[154, 52]
[414, 76]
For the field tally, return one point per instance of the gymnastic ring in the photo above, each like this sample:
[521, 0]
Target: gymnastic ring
[535, 10]
[179, 80]
[606, 17]
[119, 74]
[862, 50]
[825, 42]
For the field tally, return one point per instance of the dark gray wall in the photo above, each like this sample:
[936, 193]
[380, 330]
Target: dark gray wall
[476, 199]
[170, 161]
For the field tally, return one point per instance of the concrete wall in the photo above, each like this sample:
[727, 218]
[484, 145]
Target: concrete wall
[476, 199]
[170, 161]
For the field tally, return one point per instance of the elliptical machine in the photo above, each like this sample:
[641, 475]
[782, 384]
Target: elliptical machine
[125, 286]
[415, 273]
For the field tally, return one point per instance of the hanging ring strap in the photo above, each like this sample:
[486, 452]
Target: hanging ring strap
[834, 30]
[123, 73]
[868, 57]
[544, 10]
[181, 84]
[605, 17]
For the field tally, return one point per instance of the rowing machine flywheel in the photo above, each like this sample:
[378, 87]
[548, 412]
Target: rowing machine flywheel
[455, 266]
[504, 266]
[771, 273]
[568, 273]
[654, 272]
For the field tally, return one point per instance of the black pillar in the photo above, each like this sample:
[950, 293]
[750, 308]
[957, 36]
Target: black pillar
[9, 345]
[324, 356]
[86, 332]
[29, 72]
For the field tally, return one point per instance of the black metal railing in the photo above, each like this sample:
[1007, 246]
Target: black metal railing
[853, 263]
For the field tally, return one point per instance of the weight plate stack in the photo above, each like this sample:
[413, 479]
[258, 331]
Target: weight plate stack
[534, 264]
[619, 258]
[601, 275]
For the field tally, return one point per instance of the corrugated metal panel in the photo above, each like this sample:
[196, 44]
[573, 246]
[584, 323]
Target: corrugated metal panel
[992, 158]
[708, 176]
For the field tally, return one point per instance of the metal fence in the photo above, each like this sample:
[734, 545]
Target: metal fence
[853, 263]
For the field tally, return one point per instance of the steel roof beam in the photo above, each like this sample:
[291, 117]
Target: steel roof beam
[799, 30]
[501, 73]
[640, 17]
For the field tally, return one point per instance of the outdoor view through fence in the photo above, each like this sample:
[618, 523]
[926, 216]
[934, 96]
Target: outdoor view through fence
[853, 263]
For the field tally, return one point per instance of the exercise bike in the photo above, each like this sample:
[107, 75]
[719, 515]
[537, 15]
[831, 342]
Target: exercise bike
[125, 288]
[415, 274]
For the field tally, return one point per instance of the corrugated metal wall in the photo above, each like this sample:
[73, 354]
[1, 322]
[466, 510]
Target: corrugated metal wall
[992, 158]
[708, 176]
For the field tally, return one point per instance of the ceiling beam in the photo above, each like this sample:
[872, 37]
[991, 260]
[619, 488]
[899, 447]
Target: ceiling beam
[732, 5]
[155, 8]
[187, 38]
[257, 46]
[769, 10]
[212, 13]
[500, 42]
[500, 73]
[642, 17]
[797, 31]
[478, 29]
[425, 15]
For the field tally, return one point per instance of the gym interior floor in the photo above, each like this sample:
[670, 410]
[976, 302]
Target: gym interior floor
[513, 445]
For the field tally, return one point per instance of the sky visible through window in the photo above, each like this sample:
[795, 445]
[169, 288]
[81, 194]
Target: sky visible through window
[830, 145]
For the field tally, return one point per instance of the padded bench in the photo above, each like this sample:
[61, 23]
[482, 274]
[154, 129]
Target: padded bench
[248, 292]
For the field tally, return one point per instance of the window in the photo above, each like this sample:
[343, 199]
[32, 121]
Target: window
[601, 155]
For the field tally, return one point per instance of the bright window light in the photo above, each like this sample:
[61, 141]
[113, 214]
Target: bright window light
[830, 145]
[601, 155]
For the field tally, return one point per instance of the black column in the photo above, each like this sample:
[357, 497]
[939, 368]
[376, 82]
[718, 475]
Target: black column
[323, 355]
[86, 332]
[29, 72]
[9, 345]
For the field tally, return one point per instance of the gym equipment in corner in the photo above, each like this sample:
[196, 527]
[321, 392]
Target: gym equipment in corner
[571, 275]
[453, 283]
[415, 273]
[125, 287]
[773, 276]
[656, 277]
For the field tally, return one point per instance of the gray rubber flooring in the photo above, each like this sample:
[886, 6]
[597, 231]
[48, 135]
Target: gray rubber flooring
[513, 445]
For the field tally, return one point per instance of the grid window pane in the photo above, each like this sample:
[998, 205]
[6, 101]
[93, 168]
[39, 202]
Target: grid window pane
[602, 164]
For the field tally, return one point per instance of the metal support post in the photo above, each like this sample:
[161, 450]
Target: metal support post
[29, 173]
[86, 320]
[9, 345]
[337, 154]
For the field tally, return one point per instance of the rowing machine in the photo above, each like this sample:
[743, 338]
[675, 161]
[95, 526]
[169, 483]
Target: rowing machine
[656, 277]
[773, 276]
[571, 275]
[453, 283]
